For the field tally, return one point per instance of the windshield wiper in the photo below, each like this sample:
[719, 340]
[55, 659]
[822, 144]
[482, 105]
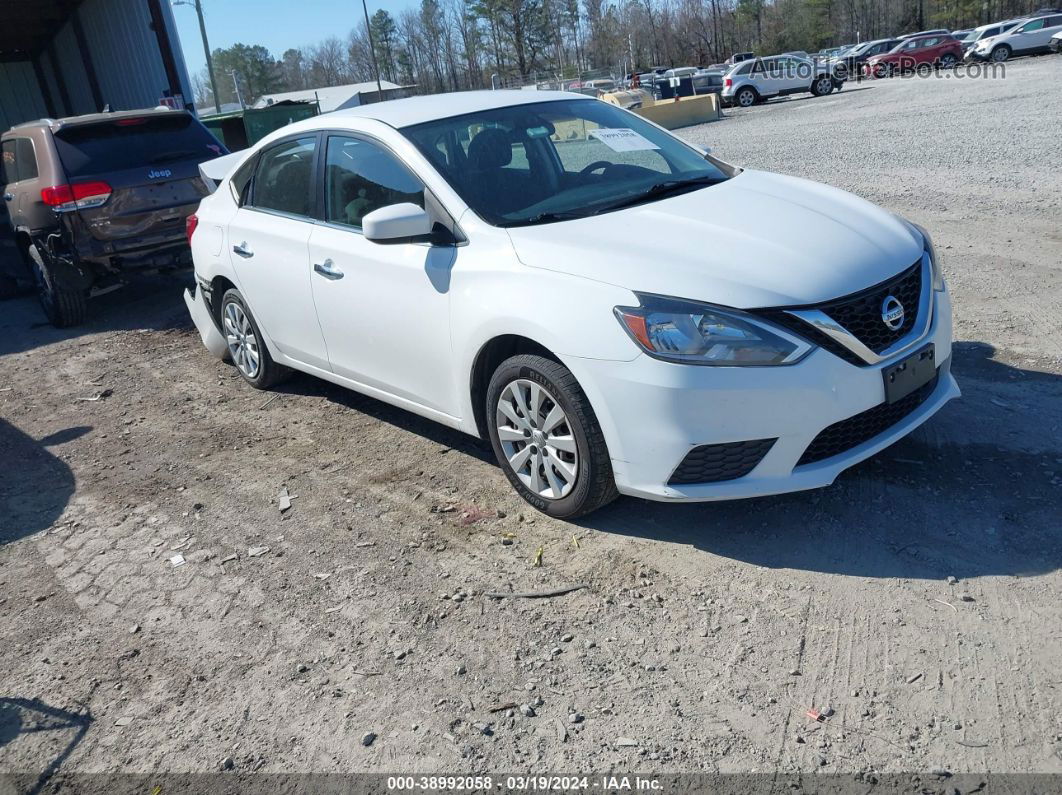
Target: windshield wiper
[659, 190]
[545, 218]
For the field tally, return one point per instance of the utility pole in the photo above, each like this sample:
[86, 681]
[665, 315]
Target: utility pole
[236, 84]
[372, 52]
[197, 5]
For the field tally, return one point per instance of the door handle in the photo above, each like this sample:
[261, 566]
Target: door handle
[328, 270]
[242, 250]
[9, 197]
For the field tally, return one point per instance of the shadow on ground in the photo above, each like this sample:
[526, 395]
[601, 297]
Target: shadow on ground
[935, 504]
[24, 716]
[35, 486]
[149, 301]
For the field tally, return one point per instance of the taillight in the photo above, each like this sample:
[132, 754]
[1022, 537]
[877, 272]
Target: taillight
[79, 196]
[190, 224]
[728, 82]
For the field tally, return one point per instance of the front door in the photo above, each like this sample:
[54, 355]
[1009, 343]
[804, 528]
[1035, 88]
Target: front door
[268, 242]
[384, 308]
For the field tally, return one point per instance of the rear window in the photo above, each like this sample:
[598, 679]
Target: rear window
[122, 144]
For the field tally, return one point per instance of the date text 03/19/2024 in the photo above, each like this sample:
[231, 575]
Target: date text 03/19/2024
[522, 783]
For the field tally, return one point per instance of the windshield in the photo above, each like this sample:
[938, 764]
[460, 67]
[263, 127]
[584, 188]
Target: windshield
[553, 161]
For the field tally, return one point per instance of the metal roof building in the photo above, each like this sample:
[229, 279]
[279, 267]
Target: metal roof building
[68, 57]
[339, 97]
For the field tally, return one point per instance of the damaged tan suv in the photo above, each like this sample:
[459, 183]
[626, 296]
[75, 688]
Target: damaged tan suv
[93, 197]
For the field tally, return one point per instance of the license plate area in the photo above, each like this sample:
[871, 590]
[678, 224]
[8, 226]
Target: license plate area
[903, 378]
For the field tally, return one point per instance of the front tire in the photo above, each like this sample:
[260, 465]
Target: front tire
[1001, 53]
[62, 307]
[247, 350]
[948, 61]
[547, 438]
[822, 86]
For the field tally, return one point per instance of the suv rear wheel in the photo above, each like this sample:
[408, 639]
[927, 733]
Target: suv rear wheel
[746, 97]
[62, 307]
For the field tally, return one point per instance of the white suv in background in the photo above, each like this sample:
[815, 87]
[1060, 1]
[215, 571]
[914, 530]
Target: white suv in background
[1027, 38]
[762, 78]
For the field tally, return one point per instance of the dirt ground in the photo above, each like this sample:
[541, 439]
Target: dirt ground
[918, 598]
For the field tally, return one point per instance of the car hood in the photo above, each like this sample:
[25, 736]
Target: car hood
[756, 240]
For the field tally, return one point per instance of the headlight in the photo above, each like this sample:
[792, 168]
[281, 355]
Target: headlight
[684, 331]
[931, 251]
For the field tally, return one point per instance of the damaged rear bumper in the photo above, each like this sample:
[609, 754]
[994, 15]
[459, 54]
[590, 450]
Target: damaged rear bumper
[204, 322]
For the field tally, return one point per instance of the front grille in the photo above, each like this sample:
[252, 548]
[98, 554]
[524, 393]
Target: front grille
[852, 432]
[860, 314]
[711, 463]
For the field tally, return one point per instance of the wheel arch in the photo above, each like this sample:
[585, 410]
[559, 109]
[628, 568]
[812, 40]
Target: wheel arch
[491, 354]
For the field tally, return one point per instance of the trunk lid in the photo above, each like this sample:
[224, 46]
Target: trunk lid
[151, 164]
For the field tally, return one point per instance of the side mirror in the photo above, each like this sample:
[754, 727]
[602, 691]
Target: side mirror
[397, 223]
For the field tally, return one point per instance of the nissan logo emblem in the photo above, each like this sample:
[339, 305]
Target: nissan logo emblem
[892, 312]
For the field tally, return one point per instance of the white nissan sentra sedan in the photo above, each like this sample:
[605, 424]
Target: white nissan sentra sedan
[616, 310]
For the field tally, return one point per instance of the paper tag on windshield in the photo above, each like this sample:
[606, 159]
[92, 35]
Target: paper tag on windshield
[622, 139]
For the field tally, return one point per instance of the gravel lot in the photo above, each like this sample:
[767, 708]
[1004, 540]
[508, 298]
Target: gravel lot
[918, 598]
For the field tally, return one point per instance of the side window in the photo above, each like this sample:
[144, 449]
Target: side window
[284, 178]
[241, 179]
[1055, 22]
[360, 177]
[10, 175]
[26, 158]
[1036, 24]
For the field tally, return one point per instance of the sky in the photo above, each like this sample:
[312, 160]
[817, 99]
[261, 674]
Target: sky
[275, 24]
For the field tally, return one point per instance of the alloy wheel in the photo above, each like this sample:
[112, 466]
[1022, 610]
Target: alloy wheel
[825, 85]
[1000, 54]
[241, 339]
[746, 98]
[537, 439]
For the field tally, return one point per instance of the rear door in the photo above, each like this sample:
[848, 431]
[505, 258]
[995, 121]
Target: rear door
[22, 192]
[268, 240]
[149, 166]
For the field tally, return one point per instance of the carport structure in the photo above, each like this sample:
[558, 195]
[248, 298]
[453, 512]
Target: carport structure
[67, 57]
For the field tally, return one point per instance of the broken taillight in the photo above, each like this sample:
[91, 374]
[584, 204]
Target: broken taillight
[79, 196]
[190, 224]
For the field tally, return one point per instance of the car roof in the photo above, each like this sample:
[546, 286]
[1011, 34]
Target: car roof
[94, 118]
[416, 110]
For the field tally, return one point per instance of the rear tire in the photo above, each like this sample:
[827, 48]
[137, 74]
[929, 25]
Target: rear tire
[247, 348]
[746, 98]
[550, 431]
[63, 308]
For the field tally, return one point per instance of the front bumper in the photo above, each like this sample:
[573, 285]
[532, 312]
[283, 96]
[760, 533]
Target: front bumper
[653, 413]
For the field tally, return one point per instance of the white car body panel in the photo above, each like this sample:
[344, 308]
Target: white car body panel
[823, 243]
[406, 322]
